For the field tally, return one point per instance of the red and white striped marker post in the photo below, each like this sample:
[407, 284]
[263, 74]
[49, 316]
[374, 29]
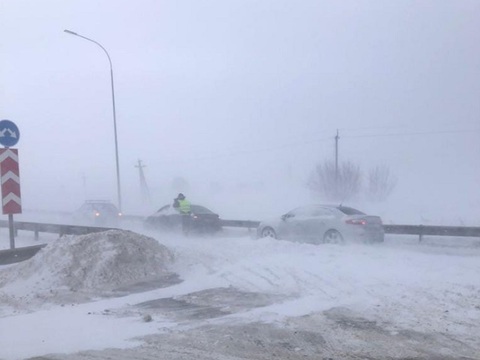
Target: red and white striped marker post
[10, 183]
[10, 178]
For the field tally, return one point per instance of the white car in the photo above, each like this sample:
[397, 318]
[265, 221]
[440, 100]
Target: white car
[97, 213]
[324, 224]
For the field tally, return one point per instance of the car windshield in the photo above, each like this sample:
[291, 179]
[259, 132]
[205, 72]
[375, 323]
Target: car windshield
[349, 211]
[304, 211]
[106, 208]
[101, 207]
[197, 209]
[170, 210]
[163, 209]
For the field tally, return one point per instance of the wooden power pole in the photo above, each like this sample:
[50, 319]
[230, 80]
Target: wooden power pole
[337, 137]
[143, 183]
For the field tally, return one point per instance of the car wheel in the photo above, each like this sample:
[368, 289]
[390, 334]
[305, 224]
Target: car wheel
[333, 237]
[269, 232]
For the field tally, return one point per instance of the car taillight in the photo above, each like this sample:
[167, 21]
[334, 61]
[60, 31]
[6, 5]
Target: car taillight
[97, 213]
[120, 214]
[356, 221]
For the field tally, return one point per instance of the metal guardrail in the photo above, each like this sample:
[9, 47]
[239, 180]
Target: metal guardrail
[60, 229]
[421, 230]
[12, 256]
[250, 224]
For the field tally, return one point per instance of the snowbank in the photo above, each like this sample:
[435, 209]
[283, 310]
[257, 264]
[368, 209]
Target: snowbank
[76, 268]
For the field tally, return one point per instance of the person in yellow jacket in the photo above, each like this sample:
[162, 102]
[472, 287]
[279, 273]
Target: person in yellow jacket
[182, 205]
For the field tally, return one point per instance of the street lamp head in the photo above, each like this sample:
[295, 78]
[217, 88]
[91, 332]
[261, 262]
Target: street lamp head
[70, 32]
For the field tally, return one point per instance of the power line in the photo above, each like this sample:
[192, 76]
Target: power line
[231, 154]
[414, 133]
[255, 151]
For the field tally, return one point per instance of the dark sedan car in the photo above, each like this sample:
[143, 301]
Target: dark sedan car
[201, 219]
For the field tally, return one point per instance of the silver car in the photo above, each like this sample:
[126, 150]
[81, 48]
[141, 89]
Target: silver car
[324, 224]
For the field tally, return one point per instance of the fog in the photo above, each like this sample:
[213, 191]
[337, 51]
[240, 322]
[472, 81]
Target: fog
[242, 99]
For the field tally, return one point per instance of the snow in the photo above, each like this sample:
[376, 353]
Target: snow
[76, 267]
[233, 281]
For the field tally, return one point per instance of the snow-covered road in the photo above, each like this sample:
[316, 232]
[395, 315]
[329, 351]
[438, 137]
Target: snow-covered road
[265, 299]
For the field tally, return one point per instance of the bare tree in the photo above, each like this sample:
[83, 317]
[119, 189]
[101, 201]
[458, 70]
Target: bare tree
[380, 183]
[340, 185]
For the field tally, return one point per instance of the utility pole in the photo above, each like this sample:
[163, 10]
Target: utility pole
[143, 183]
[337, 137]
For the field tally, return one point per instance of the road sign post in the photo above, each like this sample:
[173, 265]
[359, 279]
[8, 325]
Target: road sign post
[10, 174]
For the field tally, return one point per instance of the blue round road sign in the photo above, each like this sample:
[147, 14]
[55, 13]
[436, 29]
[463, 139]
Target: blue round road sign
[9, 133]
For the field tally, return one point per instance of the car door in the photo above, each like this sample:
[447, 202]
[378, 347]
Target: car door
[289, 227]
[167, 217]
[295, 224]
[319, 221]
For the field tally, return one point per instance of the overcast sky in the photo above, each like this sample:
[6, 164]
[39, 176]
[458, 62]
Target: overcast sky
[237, 94]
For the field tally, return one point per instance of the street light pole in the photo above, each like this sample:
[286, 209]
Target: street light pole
[119, 192]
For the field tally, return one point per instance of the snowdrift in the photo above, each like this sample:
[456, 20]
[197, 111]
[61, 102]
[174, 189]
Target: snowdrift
[76, 268]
